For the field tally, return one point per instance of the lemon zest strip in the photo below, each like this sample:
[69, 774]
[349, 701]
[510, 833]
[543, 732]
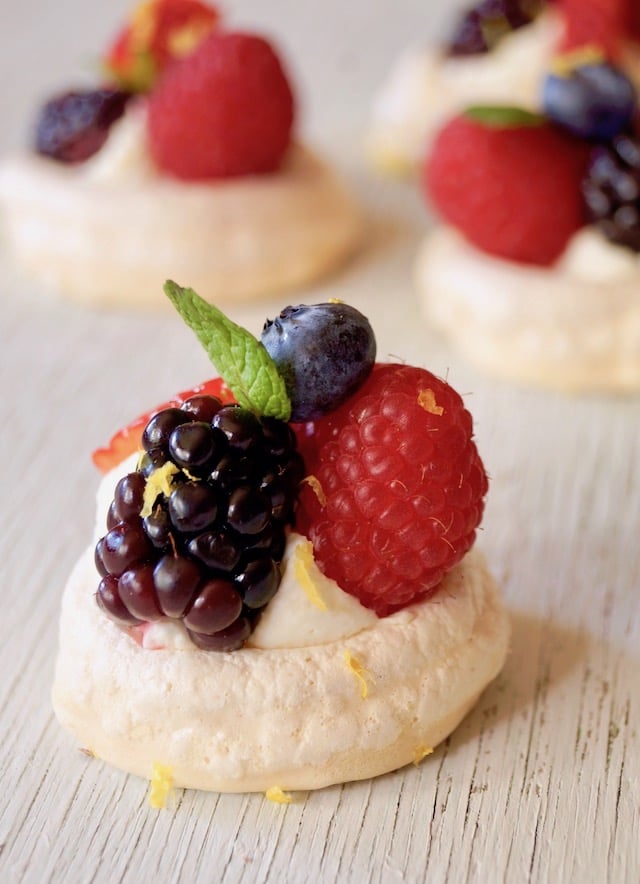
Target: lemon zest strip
[159, 482]
[314, 483]
[427, 400]
[275, 794]
[303, 557]
[421, 752]
[161, 785]
[360, 673]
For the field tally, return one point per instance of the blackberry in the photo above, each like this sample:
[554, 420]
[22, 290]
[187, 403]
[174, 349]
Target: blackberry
[480, 28]
[209, 551]
[611, 190]
[74, 126]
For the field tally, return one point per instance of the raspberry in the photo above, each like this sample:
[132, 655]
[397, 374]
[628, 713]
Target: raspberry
[512, 190]
[225, 110]
[158, 32]
[395, 488]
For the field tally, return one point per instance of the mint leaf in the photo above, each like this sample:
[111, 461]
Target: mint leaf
[241, 360]
[503, 117]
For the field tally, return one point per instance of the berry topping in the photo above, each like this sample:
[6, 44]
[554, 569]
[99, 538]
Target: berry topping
[74, 126]
[396, 488]
[611, 190]
[601, 23]
[225, 110]
[324, 353]
[480, 28]
[157, 33]
[594, 100]
[512, 190]
[127, 440]
[204, 549]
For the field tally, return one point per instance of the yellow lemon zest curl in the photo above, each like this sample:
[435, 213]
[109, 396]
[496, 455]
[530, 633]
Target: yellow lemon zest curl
[275, 794]
[159, 482]
[360, 673]
[427, 400]
[303, 558]
[314, 483]
[161, 785]
[421, 752]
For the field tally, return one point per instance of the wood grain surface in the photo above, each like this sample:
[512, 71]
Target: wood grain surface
[541, 782]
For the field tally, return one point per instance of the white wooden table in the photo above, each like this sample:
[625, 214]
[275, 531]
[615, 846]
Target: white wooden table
[542, 780]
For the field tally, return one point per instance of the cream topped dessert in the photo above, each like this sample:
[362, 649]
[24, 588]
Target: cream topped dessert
[498, 52]
[184, 159]
[535, 275]
[282, 593]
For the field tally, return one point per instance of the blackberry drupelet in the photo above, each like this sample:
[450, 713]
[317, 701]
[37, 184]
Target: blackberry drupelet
[207, 548]
[74, 126]
[611, 190]
[481, 27]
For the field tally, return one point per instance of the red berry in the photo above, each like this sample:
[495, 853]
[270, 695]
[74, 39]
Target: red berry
[225, 110]
[397, 487]
[513, 191]
[596, 23]
[157, 33]
[128, 439]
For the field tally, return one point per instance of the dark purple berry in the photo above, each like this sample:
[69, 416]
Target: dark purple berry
[74, 126]
[112, 516]
[128, 496]
[158, 527]
[239, 425]
[159, 428]
[97, 558]
[323, 353]
[193, 506]
[137, 591]
[216, 607]
[611, 190]
[202, 407]
[124, 546]
[230, 639]
[109, 600]
[152, 460]
[193, 445]
[176, 580]
[249, 510]
[218, 550]
[208, 554]
[593, 101]
[481, 27]
[258, 582]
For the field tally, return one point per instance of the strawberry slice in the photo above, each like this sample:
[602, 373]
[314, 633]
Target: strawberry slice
[157, 33]
[127, 440]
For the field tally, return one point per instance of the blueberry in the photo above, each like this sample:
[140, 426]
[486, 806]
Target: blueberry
[323, 352]
[595, 101]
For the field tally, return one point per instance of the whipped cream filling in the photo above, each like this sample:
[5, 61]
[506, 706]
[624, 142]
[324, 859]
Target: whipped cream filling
[308, 609]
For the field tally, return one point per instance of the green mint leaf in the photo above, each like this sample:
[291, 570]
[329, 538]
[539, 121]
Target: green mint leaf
[503, 117]
[241, 360]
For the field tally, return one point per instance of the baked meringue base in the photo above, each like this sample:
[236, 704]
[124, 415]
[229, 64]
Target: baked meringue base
[573, 327]
[113, 242]
[293, 718]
